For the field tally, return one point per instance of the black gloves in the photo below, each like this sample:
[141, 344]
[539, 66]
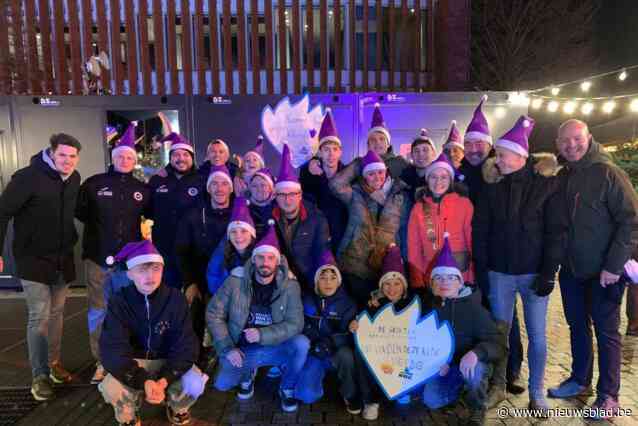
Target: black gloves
[543, 286]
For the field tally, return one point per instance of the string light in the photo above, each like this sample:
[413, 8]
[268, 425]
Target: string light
[569, 107]
[634, 105]
[622, 76]
[552, 106]
[608, 107]
[537, 103]
[555, 90]
[585, 86]
[587, 108]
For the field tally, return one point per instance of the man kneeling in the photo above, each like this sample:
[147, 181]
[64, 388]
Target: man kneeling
[255, 319]
[147, 344]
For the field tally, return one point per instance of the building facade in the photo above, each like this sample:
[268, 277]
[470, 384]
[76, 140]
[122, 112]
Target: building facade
[224, 47]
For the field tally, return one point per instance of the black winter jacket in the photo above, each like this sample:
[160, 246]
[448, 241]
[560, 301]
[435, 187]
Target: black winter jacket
[111, 206]
[42, 207]
[511, 232]
[154, 327]
[597, 209]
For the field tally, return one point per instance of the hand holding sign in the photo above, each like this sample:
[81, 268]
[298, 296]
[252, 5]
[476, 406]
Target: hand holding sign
[402, 349]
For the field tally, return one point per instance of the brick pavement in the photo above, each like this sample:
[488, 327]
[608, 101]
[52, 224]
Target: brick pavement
[80, 404]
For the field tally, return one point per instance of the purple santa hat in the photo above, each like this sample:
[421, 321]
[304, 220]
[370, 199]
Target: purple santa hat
[442, 162]
[445, 263]
[136, 253]
[393, 267]
[221, 171]
[454, 137]
[328, 131]
[423, 138]
[287, 179]
[478, 129]
[178, 142]
[240, 217]
[127, 141]
[258, 150]
[326, 262]
[371, 162]
[378, 124]
[268, 243]
[265, 174]
[517, 138]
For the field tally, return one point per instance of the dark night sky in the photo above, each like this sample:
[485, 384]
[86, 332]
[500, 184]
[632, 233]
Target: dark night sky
[617, 33]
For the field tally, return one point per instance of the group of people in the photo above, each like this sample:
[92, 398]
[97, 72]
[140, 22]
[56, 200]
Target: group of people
[257, 271]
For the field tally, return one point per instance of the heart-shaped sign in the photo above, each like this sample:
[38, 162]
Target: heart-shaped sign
[402, 349]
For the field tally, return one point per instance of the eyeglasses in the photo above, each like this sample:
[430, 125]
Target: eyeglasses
[288, 195]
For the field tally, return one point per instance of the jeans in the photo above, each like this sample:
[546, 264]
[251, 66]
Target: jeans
[584, 302]
[45, 304]
[289, 355]
[503, 290]
[515, 356]
[127, 401]
[440, 391]
[102, 283]
[369, 389]
[309, 388]
[632, 309]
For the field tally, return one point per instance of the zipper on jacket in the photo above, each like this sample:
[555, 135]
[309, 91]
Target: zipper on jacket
[59, 260]
[148, 318]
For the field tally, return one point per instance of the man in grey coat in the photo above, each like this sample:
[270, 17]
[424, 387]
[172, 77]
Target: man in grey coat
[256, 319]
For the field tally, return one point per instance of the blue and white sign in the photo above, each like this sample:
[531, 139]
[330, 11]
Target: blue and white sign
[402, 349]
[295, 124]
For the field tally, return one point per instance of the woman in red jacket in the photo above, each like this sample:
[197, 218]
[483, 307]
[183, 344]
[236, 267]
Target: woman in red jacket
[442, 206]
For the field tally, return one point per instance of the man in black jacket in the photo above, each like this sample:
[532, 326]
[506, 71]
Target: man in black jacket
[110, 205]
[598, 209]
[173, 192]
[147, 344]
[513, 241]
[40, 199]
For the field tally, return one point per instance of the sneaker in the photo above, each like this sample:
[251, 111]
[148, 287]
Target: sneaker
[604, 408]
[514, 387]
[99, 374]
[178, 418]
[477, 418]
[288, 401]
[353, 406]
[569, 389]
[274, 372]
[246, 390]
[41, 388]
[495, 396]
[58, 374]
[539, 407]
[404, 400]
[370, 411]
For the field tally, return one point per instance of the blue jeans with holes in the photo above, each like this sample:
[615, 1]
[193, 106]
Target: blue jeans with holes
[503, 291]
[440, 391]
[45, 304]
[289, 355]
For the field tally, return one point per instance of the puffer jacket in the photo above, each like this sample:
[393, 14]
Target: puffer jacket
[429, 221]
[597, 209]
[371, 226]
[227, 311]
[511, 233]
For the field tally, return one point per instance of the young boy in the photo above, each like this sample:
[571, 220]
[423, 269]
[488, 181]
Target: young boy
[327, 314]
[147, 344]
[478, 342]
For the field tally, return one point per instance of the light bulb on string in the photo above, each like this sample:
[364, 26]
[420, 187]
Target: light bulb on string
[569, 107]
[608, 107]
[622, 76]
[587, 108]
[633, 106]
[552, 106]
[537, 103]
[555, 90]
[585, 86]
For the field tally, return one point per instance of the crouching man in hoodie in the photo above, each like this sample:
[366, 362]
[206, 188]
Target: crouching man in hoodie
[478, 342]
[327, 314]
[147, 344]
[256, 318]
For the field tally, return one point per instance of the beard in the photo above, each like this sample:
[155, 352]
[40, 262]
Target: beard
[265, 272]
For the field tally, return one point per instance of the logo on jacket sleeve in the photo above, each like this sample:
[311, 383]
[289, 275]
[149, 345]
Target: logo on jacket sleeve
[138, 196]
[192, 191]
